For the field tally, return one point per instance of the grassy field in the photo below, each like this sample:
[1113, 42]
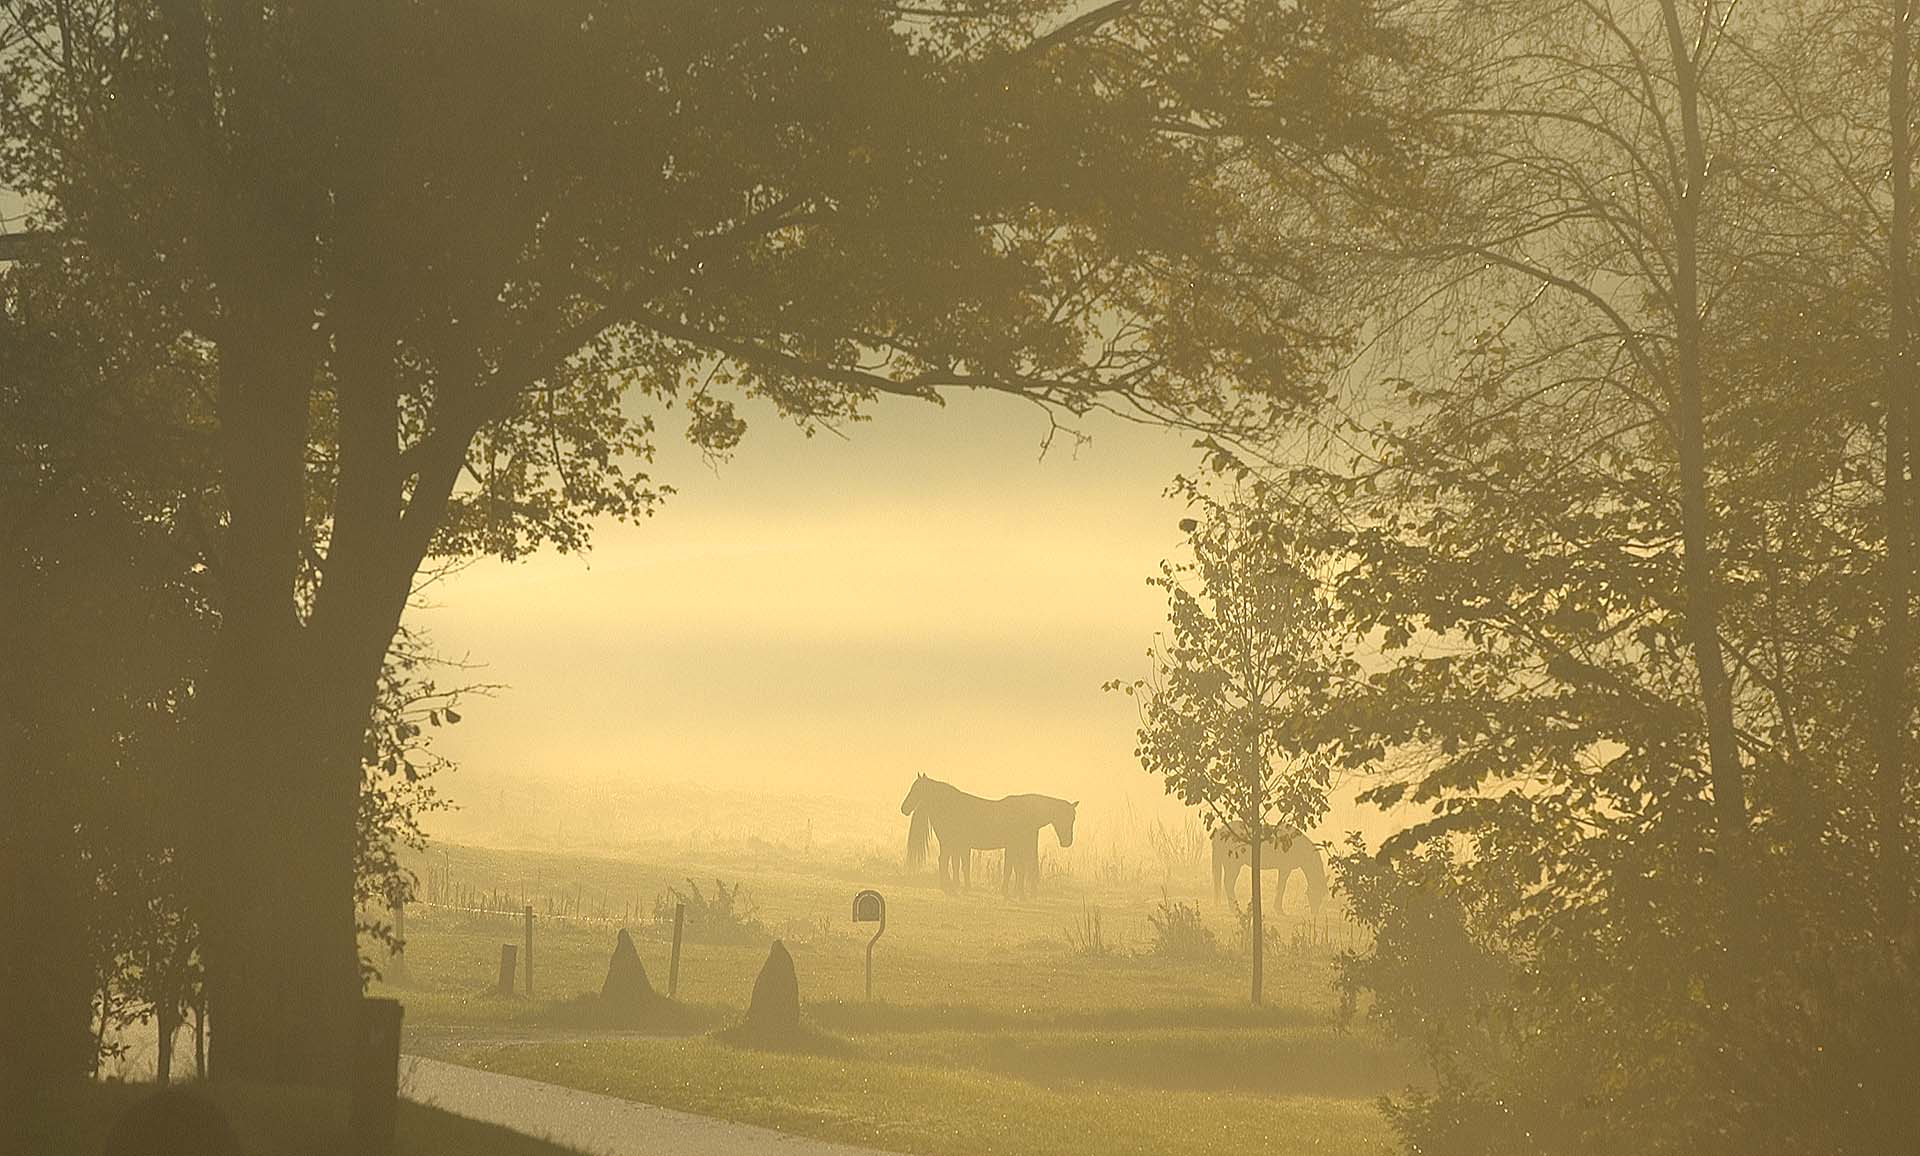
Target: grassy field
[994, 1028]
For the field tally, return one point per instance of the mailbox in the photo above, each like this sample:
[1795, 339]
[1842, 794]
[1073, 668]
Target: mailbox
[870, 906]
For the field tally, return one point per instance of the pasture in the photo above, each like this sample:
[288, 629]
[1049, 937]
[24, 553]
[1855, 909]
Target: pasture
[996, 1026]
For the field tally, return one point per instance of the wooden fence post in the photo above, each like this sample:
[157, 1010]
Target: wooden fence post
[397, 960]
[529, 963]
[507, 952]
[673, 968]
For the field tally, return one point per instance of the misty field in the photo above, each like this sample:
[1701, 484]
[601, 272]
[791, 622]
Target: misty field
[997, 1025]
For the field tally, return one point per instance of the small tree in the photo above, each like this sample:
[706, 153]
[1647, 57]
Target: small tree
[1228, 711]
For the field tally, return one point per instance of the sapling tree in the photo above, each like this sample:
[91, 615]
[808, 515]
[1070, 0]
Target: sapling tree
[1230, 708]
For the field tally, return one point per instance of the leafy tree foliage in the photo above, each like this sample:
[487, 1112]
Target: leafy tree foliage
[1231, 709]
[450, 263]
[1608, 491]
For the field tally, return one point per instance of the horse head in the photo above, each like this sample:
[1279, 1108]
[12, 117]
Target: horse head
[1063, 823]
[908, 804]
[1313, 865]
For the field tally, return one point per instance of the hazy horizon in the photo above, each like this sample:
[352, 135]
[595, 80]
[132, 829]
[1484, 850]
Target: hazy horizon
[832, 615]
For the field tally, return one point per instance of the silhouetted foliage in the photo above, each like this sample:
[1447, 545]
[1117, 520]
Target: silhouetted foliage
[103, 626]
[449, 265]
[1608, 492]
[721, 915]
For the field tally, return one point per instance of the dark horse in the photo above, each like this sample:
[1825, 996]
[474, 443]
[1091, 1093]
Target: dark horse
[968, 823]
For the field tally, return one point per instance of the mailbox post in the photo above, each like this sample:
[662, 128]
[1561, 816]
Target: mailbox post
[870, 906]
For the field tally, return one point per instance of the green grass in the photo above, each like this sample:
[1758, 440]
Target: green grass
[909, 1095]
[990, 1032]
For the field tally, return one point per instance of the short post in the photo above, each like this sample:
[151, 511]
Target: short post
[673, 967]
[507, 952]
[376, 1078]
[397, 959]
[529, 963]
[870, 906]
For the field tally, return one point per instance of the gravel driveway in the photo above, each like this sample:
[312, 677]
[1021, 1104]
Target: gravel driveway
[592, 1123]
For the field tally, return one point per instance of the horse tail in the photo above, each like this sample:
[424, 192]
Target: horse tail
[917, 841]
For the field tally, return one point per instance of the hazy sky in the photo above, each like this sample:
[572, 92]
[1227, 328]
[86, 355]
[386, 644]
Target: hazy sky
[834, 616]
[927, 595]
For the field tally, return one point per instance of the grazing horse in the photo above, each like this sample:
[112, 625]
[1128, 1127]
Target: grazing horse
[967, 823]
[1283, 852]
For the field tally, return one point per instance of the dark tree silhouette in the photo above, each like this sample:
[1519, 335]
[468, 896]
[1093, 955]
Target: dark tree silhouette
[447, 263]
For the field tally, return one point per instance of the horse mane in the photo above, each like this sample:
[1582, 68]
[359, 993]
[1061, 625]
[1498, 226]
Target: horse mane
[917, 840]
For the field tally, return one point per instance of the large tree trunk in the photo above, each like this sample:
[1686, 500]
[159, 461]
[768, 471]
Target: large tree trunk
[282, 962]
[282, 958]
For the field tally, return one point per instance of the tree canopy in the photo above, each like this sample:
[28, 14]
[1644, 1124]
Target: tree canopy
[448, 264]
[1609, 486]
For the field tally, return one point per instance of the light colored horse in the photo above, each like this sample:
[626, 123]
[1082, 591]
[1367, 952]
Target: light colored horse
[967, 823]
[1284, 851]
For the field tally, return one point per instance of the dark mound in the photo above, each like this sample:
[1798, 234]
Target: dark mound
[772, 1022]
[625, 1000]
[172, 1122]
[775, 1007]
[627, 990]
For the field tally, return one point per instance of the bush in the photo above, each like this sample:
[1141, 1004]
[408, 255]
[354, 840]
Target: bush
[723, 915]
[1178, 932]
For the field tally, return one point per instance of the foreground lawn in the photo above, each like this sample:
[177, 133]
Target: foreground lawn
[881, 1096]
[994, 1029]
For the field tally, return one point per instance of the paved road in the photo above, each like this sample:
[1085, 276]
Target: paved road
[601, 1125]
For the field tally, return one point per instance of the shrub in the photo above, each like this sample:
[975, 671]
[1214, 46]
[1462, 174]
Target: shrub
[1178, 932]
[723, 915]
